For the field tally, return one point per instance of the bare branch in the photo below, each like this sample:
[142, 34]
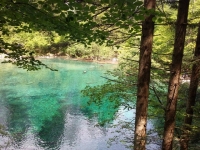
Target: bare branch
[103, 9]
[162, 106]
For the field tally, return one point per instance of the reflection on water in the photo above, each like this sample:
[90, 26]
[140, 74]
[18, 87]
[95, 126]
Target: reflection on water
[45, 110]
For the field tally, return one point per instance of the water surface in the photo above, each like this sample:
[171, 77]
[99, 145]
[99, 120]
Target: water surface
[45, 109]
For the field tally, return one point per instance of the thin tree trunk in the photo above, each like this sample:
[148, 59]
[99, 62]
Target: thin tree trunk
[194, 80]
[175, 72]
[144, 78]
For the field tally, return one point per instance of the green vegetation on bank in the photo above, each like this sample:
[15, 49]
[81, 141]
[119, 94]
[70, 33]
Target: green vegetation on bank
[46, 43]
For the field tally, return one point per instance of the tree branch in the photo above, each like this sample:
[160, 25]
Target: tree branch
[162, 106]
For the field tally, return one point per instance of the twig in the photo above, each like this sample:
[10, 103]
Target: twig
[154, 90]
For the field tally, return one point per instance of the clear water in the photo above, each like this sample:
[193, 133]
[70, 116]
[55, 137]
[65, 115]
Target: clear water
[45, 110]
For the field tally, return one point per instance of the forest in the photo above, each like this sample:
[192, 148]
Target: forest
[156, 44]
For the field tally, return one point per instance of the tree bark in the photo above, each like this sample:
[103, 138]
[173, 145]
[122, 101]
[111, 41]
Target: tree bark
[175, 72]
[194, 80]
[144, 78]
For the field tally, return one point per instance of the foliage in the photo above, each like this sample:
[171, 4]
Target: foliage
[83, 22]
[20, 57]
[84, 29]
[183, 96]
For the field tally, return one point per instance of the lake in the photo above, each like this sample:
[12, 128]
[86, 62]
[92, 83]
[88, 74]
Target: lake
[44, 110]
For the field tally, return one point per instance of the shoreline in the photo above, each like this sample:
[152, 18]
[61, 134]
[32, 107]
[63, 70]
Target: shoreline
[113, 61]
[105, 61]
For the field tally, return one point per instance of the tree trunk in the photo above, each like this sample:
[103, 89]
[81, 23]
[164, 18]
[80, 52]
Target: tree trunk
[194, 80]
[175, 72]
[144, 78]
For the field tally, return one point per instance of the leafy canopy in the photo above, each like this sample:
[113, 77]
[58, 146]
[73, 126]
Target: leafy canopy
[81, 21]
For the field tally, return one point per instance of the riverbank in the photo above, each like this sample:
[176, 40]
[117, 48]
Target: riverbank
[104, 61]
[50, 56]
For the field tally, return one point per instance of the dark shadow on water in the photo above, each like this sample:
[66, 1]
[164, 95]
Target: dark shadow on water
[51, 132]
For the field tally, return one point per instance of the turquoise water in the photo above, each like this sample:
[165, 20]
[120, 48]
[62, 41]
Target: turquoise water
[44, 109]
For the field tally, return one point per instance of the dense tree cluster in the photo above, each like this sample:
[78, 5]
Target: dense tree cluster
[155, 42]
